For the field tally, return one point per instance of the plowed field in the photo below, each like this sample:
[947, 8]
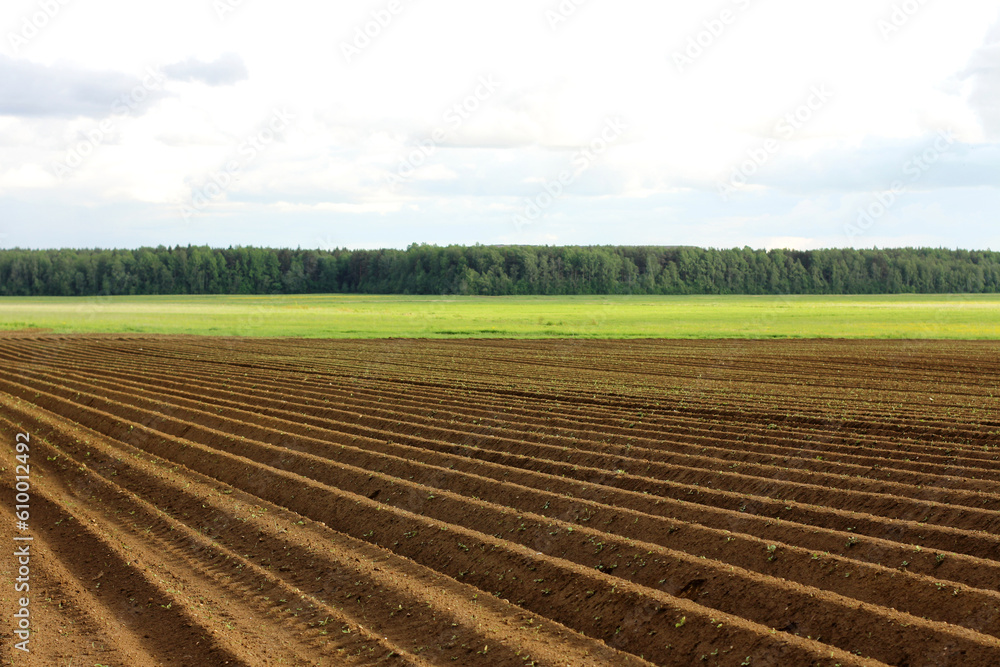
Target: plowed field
[209, 501]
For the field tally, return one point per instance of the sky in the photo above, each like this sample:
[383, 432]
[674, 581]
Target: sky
[762, 123]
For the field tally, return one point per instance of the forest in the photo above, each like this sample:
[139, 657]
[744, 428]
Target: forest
[495, 270]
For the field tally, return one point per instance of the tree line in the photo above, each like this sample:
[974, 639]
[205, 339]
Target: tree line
[495, 270]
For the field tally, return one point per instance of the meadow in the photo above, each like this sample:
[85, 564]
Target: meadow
[959, 316]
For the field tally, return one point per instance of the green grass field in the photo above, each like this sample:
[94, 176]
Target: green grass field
[354, 316]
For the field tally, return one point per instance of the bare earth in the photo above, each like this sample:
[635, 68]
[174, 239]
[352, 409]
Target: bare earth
[212, 501]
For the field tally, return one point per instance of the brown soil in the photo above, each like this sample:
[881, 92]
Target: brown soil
[208, 501]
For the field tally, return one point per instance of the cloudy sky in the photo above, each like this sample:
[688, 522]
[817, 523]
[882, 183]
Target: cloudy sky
[768, 123]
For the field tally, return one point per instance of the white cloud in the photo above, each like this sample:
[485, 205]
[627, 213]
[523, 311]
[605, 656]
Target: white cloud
[983, 75]
[555, 88]
[26, 176]
[31, 90]
[227, 69]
